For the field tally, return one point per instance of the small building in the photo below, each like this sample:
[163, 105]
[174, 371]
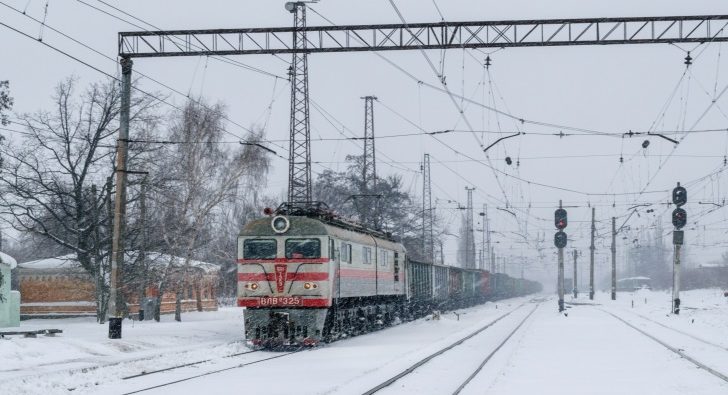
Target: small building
[56, 287]
[9, 300]
[60, 287]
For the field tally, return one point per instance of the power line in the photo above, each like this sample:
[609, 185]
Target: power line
[114, 77]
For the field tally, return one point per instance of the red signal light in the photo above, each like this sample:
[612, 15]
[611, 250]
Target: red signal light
[268, 211]
[560, 218]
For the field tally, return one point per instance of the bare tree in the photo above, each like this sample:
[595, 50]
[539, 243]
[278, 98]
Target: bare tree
[6, 102]
[56, 183]
[203, 176]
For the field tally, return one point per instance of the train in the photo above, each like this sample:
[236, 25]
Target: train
[307, 276]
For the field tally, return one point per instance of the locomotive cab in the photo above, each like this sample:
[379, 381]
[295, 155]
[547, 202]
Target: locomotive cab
[304, 279]
[283, 280]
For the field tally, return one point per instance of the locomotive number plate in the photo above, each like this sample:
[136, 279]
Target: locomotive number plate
[280, 301]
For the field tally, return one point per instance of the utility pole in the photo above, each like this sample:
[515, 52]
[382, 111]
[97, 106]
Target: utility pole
[487, 236]
[117, 243]
[560, 281]
[143, 315]
[560, 238]
[428, 236]
[299, 161]
[470, 233]
[576, 286]
[369, 213]
[485, 253]
[614, 258]
[679, 219]
[591, 256]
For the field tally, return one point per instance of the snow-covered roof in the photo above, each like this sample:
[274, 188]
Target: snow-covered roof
[154, 259]
[8, 260]
[712, 265]
[157, 258]
[59, 262]
[638, 278]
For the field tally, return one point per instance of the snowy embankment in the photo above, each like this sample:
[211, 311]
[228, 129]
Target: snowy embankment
[703, 313]
[84, 360]
[588, 351]
[53, 364]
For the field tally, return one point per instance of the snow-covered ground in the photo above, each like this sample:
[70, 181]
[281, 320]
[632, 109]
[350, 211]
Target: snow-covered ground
[589, 351]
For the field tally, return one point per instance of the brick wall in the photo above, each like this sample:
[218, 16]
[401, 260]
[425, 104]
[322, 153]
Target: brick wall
[72, 292]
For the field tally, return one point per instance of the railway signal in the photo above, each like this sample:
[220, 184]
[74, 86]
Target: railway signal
[679, 219]
[560, 242]
[560, 218]
[560, 239]
[679, 195]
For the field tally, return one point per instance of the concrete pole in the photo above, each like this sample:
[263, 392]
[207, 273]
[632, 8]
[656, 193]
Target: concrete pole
[560, 281]
[591, 257]
[485, 254]
[576, 287]
[117, 242]
[487, 237]
[614, 258]
[676, 281]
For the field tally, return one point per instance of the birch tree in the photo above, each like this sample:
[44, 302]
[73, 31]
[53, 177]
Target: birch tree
[56, 182]
[204, 175]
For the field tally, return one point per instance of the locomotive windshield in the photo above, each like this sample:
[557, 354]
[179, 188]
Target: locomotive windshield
[259, 249]
[303, 248]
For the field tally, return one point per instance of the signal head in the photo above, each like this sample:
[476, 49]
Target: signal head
[560, 218]
[679, 218]
[679, 195]
[560, 239]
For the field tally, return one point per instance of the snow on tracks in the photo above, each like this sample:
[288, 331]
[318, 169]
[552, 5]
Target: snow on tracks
[447, 360]
[714, 356]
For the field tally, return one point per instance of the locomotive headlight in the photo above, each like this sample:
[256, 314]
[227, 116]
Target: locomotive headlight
[310, 286]
[280, 224]
[251, 286]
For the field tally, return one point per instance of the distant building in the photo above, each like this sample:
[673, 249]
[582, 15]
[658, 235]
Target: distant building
[60, 287]
[9, 300]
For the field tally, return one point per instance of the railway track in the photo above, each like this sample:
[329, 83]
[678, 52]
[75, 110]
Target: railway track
[674, 349]
[147, 373]
[690, 335]
[207, 373]
[462, 340]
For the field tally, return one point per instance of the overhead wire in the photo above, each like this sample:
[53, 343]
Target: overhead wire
[162, 100]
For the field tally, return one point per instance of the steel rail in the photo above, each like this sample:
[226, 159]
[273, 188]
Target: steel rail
[430, 357]
[676, 350]
[485, 361]
[213, 372]
[147, 373]
[681, 332]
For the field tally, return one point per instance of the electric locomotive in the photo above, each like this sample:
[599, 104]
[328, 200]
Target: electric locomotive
[306, 276]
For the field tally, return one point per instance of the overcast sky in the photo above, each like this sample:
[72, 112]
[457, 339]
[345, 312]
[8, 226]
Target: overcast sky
[610, 89]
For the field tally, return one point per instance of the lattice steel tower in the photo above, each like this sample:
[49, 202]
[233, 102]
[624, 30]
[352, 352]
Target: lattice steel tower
[369, 170]
[369, 203]
[299, 161]
[469, 232]
[428, 237]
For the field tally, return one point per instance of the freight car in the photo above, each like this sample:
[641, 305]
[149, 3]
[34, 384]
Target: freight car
[306, 276]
